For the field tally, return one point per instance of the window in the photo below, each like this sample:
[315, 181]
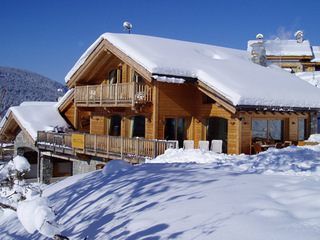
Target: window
[176, 129]
[267, 130]
[137, 126]
[137, 78]
[114, 125]
[302, 129]
[115, 76]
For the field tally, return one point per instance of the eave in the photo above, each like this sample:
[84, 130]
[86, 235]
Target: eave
[277, 109]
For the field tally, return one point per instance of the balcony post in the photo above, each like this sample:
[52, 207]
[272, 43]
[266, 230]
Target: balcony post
[121, 151]
[116, 95]
[155, 146]
[87, 97]
[133, 97]
[101, 86]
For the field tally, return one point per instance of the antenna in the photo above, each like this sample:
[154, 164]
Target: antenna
[128, 26]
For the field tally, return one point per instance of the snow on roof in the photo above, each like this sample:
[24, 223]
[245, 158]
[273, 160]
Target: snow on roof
[64, 97]
[229, 72]
[37, 116]
[316, 54]
[310, 77]
[285, 47]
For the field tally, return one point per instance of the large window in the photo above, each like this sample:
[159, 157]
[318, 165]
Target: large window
[176, 129]
[267, 130]
[137, 126]
[302, 129]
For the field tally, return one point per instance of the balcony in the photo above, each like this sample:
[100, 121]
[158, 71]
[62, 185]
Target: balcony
[134, 150]
[113, 95]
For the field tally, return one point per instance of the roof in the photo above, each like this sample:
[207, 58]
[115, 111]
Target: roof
[226, 71]
[280, 48]
[36, 116]
[316, 54]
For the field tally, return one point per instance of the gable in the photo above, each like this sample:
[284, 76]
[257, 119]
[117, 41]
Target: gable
[96, 66]
[10, 128]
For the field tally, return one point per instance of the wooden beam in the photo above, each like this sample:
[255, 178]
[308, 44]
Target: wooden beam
[223, 101]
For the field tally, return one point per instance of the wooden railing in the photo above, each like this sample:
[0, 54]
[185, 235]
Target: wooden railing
[118, 94]
[105, 146]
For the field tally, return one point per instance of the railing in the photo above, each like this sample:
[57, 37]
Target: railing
[101, 145]
[113, 94]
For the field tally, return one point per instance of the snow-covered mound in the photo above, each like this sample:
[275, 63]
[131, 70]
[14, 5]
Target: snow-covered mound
[272, 195]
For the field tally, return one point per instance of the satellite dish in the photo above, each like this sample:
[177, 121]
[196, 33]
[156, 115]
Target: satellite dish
[128, 26]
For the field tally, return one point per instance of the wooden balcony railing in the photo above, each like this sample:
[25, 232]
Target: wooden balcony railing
[119, 94]
[104, 146]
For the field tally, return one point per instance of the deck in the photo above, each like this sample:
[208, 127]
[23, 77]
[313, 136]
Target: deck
[110, 95]
[134, 150]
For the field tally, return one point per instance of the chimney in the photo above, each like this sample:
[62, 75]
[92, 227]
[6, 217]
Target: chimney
[258, 52]
[299, 36]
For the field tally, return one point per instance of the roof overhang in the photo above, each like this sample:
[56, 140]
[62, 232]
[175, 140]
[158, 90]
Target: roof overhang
[277, 109]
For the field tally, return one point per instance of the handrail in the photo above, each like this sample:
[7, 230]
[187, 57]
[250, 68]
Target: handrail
[113, 94]
[135, 148]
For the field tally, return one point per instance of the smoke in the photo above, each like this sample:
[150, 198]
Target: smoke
[282, 34]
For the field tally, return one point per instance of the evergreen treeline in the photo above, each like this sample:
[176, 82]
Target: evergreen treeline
[22, 85]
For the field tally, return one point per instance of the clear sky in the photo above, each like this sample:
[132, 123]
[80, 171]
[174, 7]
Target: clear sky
[49, 36]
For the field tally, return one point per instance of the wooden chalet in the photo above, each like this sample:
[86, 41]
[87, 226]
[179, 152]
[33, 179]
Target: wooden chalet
[126, 95]
[293, 55]
[134, 96]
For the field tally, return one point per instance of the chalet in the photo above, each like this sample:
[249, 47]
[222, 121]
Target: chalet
[21, 124]
[133, 96]
[294, 55]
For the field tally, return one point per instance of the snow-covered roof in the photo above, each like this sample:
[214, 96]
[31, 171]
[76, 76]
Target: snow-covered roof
[229, 72]
[316, 54]
[310, 77]
[280, 48]
[36, 116]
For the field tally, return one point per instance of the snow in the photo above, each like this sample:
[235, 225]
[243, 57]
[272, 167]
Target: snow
[36, 116]
[36, 215]
[285, 47]
[21, 163]
[230, 72]
[310, 77]
[191, 194]
[316, 54]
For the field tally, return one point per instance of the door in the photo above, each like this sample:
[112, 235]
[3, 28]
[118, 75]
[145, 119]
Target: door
[217, 128]
[176, 129]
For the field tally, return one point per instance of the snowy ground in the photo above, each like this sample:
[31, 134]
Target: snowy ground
[190, 194]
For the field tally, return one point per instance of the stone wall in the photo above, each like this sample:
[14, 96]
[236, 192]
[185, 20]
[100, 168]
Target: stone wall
[46, 169]
[84, 166]
[21, 142]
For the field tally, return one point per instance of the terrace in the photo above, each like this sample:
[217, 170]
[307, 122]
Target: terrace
[133, 150]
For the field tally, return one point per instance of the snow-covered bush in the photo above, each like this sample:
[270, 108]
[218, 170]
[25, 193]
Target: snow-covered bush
[34, 212]
[12, 184]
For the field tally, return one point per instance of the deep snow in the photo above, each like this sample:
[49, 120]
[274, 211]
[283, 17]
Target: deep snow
[272, 195]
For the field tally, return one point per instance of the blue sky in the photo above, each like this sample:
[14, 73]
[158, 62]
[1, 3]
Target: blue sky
[49, 36]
